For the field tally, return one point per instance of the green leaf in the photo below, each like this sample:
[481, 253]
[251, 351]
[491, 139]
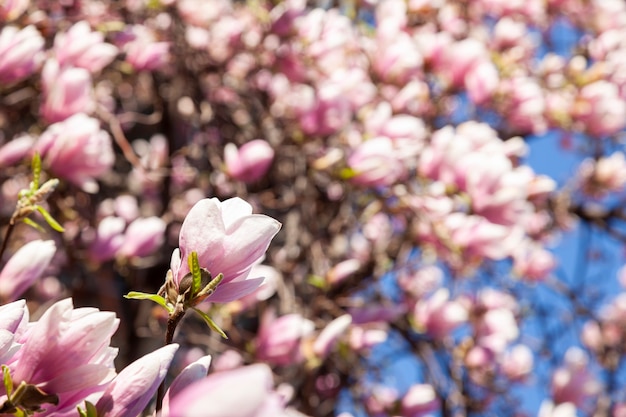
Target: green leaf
[89, 411]
[50, 220]
[8, 382]
[36, 167]
[135, 295]
[194, 268]
[209, 321]
[34, 225]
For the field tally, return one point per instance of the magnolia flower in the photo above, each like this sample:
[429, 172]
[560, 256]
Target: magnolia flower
[438, 315]
[80, 47]
[12, 9]
[193, 372]
[242, 392]
[21, 52]
[66, 91]
[77, 149]
[420, 400]
[25, 267]
[228, 240]
[129, 393]
[279, 338]
[143, 236]
[250, 162]
[65, 357]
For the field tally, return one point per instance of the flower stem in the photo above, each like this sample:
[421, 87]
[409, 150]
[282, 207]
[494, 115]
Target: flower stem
[7, 236]
[172, 322]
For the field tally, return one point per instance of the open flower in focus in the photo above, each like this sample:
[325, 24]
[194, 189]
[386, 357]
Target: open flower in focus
[229, 240]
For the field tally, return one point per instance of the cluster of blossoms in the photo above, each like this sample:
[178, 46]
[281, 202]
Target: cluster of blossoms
[389, 138]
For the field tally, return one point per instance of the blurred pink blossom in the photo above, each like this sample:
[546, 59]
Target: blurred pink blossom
[278, 340]
[533, 262]
[419, 400]
[193, 372]
[132, 389]
[376, 162]
[66, 92]
[21, 52]
[328, 337]
[250, 162]
[224, 392]
[143, 236]
[143, 51]
[573, 382]
[80, 47]
[24, 268]
[438, 316]
[600, 109]
[604, 175]
[109, 238]
[12, 9]
[77, 150]
[15, 150]
[517, 362]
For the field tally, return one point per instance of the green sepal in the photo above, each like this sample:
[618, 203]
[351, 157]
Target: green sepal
[209, 321]
[8, 382]
[136, 295]
[347, 173]
[33, 224]
[36, 167]
[89, 411]
[317, 281]
[50, 220]
[194, 268]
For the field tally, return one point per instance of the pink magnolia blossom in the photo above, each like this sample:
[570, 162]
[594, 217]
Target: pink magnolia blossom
[250, 162]
[143, 51]
[80, 47]
[517, 363]
[438, 315]
[549, 409]
[66, 92]
[77, 149]
[328, 337]
[242, 392]
[13, 324]
[419, 400]
[533, 262]
[573, 382]
[342, 271]
[195, 371]
[376, 163]
[366, 336]
[272, 279]
[600, 109]
[12, 9]
[15, 150]
[109, 238]
[143, 236]
[279, 339]
[228, 239]
[607, 174]
[21, 52]
[131, 390]
[66, 353]
[524, 104]
[25, 267]
[482, 81]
